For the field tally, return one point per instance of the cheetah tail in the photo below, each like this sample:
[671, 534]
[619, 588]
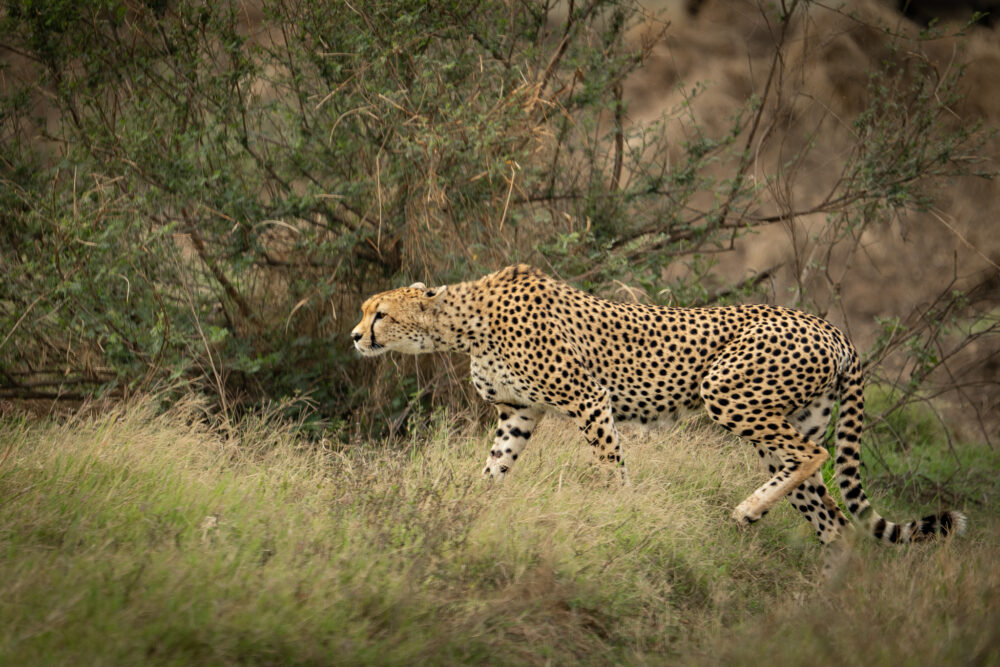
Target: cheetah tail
[847, 465]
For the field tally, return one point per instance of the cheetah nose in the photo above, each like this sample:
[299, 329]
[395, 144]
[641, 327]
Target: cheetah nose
[355, 336]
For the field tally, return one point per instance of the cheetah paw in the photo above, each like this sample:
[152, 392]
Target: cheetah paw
[747, 513]
[497, 472]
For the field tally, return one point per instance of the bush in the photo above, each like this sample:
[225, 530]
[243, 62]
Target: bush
[212, 194]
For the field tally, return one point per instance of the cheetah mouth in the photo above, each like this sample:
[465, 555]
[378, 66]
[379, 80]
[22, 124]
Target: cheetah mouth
[371, 350]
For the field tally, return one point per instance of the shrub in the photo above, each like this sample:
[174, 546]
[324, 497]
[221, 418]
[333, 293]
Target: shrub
[193, 195]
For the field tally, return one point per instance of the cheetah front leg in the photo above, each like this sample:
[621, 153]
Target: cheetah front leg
[594, 419]
[517, 423]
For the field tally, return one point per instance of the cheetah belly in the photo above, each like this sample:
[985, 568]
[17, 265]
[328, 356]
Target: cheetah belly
[654, 410]
[657, 394]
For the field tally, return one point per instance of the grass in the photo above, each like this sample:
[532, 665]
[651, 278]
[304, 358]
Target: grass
[140, 536]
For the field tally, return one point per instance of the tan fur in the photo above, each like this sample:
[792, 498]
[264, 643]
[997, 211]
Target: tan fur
[771, 375]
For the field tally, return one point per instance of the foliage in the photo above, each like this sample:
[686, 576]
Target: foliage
[231, 195]
[193, 196]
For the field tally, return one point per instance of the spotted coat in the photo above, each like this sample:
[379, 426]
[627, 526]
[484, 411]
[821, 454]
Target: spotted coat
[771, 375]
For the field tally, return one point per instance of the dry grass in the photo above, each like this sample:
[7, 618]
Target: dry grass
[144, 537]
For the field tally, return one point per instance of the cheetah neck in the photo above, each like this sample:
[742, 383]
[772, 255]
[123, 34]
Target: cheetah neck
[456, 323]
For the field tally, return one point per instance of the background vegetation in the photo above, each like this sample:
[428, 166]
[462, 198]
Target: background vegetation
[196, 197]
[204, 194]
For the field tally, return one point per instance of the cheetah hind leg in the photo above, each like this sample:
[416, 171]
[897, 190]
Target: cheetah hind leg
[817, 506]
[798, 460]
[516, 425]
[811, 498]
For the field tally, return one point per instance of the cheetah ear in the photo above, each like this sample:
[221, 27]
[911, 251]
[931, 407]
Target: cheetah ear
[429, 292]
[434, 291]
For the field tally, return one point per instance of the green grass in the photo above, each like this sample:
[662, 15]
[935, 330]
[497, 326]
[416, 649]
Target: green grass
[908, 456]
[139, 537]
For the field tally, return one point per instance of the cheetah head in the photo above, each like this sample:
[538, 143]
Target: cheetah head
[397, 320]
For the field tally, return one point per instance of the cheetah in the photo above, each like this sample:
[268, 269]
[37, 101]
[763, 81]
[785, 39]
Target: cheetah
[769, 374]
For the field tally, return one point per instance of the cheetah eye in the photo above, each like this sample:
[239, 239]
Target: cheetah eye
[378, 316]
